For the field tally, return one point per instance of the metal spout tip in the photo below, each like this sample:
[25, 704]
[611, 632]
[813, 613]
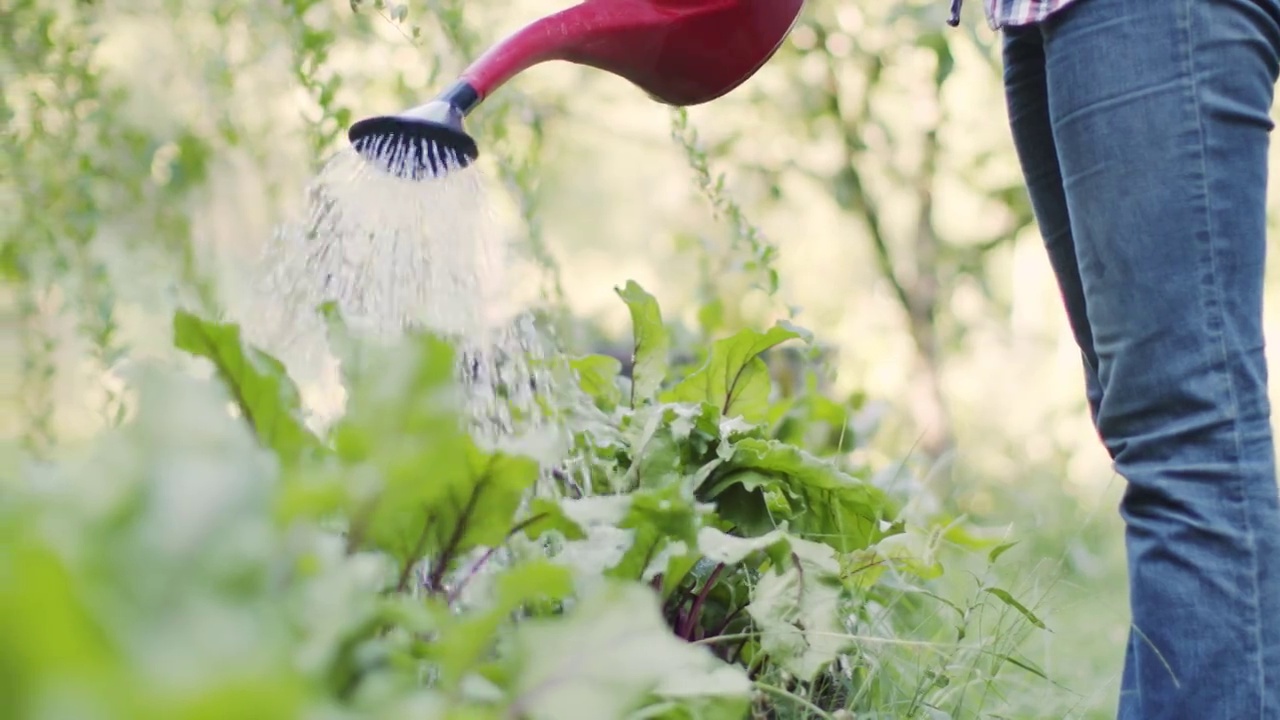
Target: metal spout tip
[426, 142]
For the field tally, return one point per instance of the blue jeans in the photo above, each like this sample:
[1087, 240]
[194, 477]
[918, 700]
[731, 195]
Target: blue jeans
[1142, 127]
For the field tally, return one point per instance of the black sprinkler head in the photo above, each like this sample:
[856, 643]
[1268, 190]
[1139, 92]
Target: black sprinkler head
[425, 142]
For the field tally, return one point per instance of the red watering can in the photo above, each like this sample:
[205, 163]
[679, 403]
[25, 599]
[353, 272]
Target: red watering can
[680, 52]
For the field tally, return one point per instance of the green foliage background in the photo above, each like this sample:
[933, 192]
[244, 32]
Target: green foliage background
[861, 185]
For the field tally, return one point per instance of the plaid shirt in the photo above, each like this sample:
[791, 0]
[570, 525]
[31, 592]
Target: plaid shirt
[1013, 12]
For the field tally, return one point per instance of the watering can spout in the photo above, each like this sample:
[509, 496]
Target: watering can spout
[679, 52]
[421, 142]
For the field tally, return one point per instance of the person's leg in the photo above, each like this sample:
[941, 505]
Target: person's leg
[1027, 97]
[1159, 128]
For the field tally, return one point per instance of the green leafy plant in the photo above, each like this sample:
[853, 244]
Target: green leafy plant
[393, 567]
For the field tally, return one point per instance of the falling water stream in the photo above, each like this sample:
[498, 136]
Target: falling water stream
[395, 254]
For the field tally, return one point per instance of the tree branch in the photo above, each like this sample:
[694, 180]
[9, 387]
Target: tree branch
[858, 199]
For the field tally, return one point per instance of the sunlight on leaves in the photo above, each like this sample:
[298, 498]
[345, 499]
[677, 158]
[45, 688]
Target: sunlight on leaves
[734, 378]
[267, 398]
[598, 378]
[652, 343]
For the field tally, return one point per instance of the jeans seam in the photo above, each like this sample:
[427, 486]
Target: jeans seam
[1215, 289]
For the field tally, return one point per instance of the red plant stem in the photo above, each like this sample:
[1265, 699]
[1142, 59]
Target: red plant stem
[455, 538]
[690, 620]
[415, 554]
[656, 582]
[456, 592]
